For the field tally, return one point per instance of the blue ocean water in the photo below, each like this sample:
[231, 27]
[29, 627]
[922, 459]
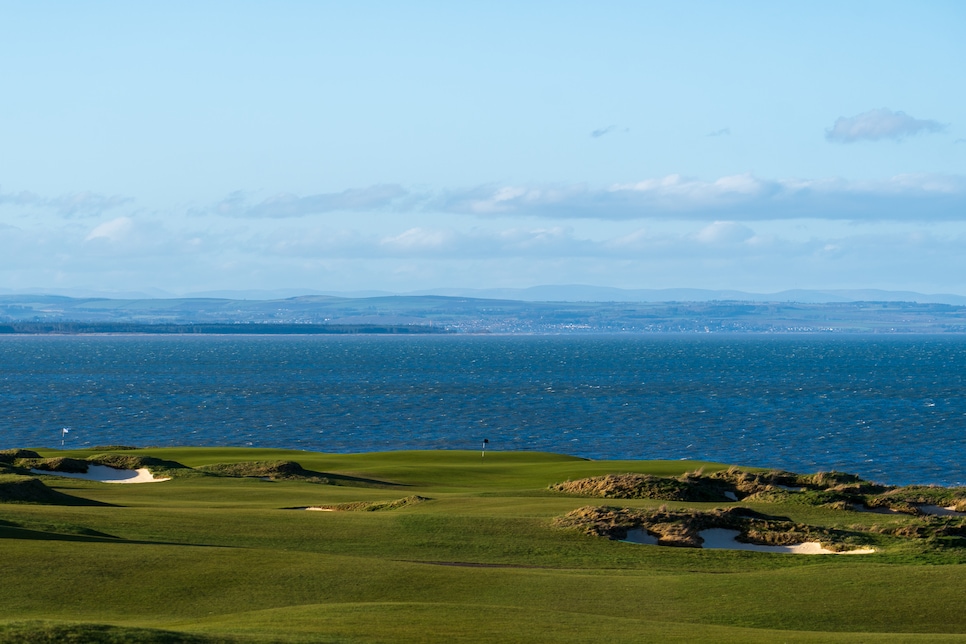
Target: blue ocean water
[890, 408]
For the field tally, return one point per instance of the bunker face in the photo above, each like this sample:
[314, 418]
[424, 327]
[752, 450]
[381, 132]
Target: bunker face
[105, 474]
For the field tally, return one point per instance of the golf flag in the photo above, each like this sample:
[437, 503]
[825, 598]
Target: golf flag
[63, 434]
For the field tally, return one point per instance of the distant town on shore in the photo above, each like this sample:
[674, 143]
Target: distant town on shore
[408, 314]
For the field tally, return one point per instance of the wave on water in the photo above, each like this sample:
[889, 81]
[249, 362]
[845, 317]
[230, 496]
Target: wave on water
[890, 408]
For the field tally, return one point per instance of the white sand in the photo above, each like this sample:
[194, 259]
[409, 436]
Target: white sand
[317, 509]
[105, 474]
[935, 510]
[865, 508]
[725, 539]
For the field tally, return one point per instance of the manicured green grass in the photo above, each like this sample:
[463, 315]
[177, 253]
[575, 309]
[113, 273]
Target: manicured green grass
[220, 557]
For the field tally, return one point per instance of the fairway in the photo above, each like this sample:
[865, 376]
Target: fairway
[432, 546]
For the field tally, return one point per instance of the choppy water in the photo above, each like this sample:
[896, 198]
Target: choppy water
[890, 408]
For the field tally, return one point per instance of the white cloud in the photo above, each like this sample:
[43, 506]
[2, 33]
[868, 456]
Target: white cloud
[739, 197]
[742, 197]
[76, 204]
[878, 124]
[115, 230]
[724, 232]
[191, 255]
[417, 240]
[287, 205]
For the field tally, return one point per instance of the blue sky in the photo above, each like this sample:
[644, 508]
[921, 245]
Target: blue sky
[187, 147]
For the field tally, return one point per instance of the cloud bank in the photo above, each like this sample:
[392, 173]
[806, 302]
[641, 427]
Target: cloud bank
[742, 197]
[76, 204]
[738, 197]
[140, 253]
[288, 205]
[879, 124]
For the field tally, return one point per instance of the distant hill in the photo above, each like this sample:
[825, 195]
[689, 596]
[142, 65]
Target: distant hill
[546, 293]
[583, 293]
[461, 314]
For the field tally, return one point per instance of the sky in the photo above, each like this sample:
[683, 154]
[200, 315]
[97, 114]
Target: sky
[177, 148]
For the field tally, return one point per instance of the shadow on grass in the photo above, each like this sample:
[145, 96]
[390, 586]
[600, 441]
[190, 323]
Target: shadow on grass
[11, 530]
[51, 633]
[30, 490]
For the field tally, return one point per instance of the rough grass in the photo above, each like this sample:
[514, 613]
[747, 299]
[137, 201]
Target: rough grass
[56, 464]
[837, 490]
[27, 489]
[923, 495]
[640, 486]
[269, 470]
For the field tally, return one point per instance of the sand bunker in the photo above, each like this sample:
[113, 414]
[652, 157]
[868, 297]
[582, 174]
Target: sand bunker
[642, 536]
[938, 511]
[720, 538]
[105, 474]
[931, 510]
[725, 539]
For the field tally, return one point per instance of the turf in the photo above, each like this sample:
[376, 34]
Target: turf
[210, 558]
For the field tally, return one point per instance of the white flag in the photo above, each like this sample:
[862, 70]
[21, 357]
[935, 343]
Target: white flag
[66, 430]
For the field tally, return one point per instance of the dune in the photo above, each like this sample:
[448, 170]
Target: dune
[105, 474]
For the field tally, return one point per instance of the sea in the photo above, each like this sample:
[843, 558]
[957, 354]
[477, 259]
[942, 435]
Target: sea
[891, 408]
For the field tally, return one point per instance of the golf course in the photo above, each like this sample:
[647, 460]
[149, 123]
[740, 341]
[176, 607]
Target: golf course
[253, 545]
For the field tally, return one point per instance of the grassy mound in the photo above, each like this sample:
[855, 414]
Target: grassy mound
[375, 506]
[52, 633]
[56, 464]
[9, 456]
[27, 489]
[909, 497]
[20, 489]
[270, 470]
[641, 486]
[157, 466]
[831, 489]
[682, 527]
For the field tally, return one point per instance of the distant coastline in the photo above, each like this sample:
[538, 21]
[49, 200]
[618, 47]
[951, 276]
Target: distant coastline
[434, 314]
[112, 328]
